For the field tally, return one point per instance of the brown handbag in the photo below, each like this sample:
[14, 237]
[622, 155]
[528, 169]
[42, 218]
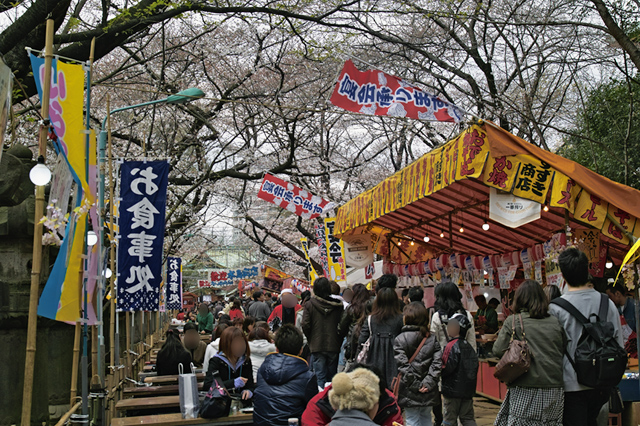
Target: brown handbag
[395, 383]
[516, 360]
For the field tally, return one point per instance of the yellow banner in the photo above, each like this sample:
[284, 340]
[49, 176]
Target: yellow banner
[565, 192]
[533, 179]
[591, 210]
[500, 173]
[473, 152]
[305, 248]
[335, 252]
[623, 220]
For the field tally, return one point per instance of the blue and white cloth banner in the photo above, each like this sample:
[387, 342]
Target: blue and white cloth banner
[143, 192]
[221, 278]
[174, 283]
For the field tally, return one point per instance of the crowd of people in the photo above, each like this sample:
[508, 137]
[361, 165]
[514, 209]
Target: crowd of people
[362, 357]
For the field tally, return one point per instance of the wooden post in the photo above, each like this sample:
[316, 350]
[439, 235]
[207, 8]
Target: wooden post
[128, 340]
[94, 354]
[36, 266]
[76, 361]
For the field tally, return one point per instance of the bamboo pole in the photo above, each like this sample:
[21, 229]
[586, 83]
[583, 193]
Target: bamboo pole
[68, 414]
[112, 256]
[76, 360]
[128, 339]
[32, 324]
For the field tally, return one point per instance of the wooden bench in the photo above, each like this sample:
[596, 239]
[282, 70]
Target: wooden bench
[149, 403]
[169, 380]
[176, 419]
[144, 391]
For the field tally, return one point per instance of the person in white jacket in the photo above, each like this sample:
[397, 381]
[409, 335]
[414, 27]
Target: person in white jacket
[212, 348]
[260, 346]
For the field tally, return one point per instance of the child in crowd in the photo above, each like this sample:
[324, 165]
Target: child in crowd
[285, 384]
[418, 390]
[459, 374]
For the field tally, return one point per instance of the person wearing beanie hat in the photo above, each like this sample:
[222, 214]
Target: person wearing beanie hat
[354, 396]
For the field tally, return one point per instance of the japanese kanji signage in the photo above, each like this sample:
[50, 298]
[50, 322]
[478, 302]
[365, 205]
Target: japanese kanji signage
[305, 248]
[204, 284]
[373, 92]
[533, 179]
[335, 252]
[288, 196]
[143, 192]
[174, 283]
[225, 277]
[322, 249]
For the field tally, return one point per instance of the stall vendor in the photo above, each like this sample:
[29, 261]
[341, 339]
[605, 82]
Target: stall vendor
[486, 317]
[626, 306]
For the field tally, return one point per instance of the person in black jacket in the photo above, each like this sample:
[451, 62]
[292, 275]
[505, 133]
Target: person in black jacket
[320, 320]
[285, 384]
[459, 374]
[172, 354]
[233, 364]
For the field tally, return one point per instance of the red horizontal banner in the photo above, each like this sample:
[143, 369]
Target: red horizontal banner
[374, 92]
[288, 196]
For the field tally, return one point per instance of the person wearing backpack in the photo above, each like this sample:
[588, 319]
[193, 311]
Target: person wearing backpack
[592, 366]
[459, 374]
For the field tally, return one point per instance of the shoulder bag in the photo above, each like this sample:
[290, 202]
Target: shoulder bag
[364, 352]
[516, 360]
[217, 403]
[395, 383]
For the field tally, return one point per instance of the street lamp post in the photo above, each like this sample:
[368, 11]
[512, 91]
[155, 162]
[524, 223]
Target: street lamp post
[181, 97]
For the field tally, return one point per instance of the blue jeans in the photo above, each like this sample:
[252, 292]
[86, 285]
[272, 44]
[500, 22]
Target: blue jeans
[418, 416]
[325, 365]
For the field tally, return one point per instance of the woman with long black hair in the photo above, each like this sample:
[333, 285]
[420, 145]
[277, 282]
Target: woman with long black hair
[383, 325]
[448, 303]
[172, 354]
[352, 319]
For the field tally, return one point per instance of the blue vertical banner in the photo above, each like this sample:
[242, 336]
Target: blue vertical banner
[143, 199]
[174, 284]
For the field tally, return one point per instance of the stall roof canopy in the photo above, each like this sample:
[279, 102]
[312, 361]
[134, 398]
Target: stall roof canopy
[448, 188]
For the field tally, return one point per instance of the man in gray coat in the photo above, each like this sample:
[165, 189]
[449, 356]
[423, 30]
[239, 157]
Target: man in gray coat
[581, 403]
[259, 309]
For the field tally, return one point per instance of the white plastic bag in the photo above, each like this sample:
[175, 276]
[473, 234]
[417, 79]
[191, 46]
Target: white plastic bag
[189, 399]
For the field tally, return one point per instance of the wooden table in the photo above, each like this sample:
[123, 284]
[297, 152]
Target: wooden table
[149, 403]
[176, 419]
[144, 391]
[170, 380]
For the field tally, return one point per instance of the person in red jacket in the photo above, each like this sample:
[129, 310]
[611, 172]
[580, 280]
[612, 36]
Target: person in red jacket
[285, 312]
[319, 411]
[235, 312]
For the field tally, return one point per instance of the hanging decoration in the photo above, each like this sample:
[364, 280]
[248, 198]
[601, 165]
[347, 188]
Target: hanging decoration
[374, 92]
[143, 193]
[292, 198]
[174, 283]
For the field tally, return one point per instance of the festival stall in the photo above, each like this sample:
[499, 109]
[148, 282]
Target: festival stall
[488, 210]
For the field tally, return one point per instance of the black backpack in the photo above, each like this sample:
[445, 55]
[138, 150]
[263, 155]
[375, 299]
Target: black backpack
[599, 360]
